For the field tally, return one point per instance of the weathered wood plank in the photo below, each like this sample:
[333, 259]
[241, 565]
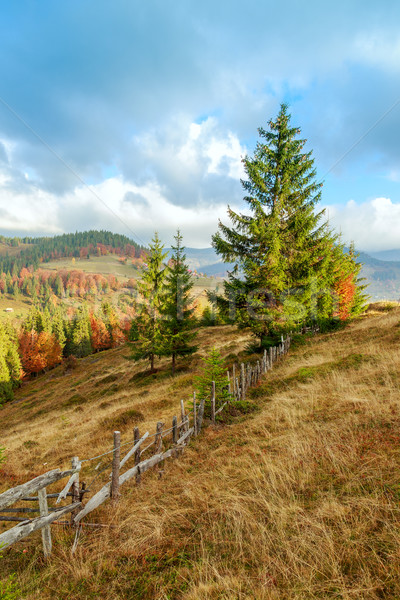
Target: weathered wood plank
[136, 438]
[19, 532]
[30, 487]
[221, 408]
[133, 450]
[187, 434]
[103, 494]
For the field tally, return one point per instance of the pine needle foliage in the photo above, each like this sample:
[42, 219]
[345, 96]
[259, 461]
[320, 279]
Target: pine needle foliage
[177, 311]
[214, 369]
[146, 327]
[288, 261]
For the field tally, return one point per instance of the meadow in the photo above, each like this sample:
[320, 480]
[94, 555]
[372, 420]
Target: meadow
[295, 497]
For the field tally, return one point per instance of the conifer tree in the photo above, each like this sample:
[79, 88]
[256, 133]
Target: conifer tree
[283, 249]
[78, 335]
[176, 310]
[214, 369]
[10, 364]
[147, 324]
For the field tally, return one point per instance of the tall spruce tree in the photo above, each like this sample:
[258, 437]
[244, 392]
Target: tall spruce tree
[146, 327]
[284, 250]
[176, 310]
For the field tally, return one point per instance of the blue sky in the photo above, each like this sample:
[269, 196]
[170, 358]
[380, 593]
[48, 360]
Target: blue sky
[133, 116]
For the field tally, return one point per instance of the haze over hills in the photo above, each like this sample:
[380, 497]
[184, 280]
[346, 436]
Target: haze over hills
[381, 274]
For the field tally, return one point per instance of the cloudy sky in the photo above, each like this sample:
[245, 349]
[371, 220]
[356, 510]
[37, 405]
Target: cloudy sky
[133, 116]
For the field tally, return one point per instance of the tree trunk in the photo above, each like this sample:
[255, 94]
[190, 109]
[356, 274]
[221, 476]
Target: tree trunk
[152, 362]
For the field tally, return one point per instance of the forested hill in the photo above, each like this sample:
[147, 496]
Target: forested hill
[34, 251]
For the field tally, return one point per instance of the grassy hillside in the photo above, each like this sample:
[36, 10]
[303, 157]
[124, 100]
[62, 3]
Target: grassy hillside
[13, 250]
[299, 498]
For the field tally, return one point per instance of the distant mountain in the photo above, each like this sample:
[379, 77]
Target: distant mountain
[386, 255]
[383, 276]
[206, 260]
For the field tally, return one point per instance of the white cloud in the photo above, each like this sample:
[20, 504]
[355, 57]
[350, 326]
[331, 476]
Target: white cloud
[372, 225]
[110, 205]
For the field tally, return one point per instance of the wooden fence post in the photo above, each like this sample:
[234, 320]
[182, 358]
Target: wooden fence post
[174, 430]
[213, 402]
[229, 381]
[46, 532]
[75, 488]
[136, 438]
[185, 425]
[200, 415]
[243, 382]
[194, 414]
[115, 467]
[159, 445]
[158, 441]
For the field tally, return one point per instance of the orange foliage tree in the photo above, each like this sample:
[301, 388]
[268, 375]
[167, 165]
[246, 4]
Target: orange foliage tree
[100, 337]
[38, 351]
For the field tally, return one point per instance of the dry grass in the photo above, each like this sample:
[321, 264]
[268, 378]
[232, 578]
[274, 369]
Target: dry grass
[299, 499]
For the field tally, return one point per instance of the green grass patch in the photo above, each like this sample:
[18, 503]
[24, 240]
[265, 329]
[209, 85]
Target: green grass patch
[30, 444]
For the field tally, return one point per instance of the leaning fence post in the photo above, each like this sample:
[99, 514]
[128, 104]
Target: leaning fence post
[46, 532]
[115, 467]
[213, 402]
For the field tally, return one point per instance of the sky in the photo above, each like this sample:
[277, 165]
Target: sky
[135, 116]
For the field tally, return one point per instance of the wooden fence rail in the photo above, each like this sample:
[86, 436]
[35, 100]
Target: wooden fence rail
[239, 380]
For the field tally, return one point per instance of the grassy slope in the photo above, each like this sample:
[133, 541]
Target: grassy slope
[299, 499]
[12, 250]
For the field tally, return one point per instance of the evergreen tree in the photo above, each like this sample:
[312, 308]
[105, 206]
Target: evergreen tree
[78, 335]
[176, 310]
[147, 324]
[10, 364]
[283, 249]
[215, 370]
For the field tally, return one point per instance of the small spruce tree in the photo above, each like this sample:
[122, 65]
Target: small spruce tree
[147, 324]
[177, 314]
[214, 369]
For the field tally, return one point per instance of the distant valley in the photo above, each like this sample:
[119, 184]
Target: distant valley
[380, 269]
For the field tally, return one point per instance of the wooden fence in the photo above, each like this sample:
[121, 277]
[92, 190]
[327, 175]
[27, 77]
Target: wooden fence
[166, 443]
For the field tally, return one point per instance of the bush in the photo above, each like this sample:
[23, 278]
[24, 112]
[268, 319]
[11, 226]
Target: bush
[9, 589]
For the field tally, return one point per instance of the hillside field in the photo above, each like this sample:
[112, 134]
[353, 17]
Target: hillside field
[294, 496]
